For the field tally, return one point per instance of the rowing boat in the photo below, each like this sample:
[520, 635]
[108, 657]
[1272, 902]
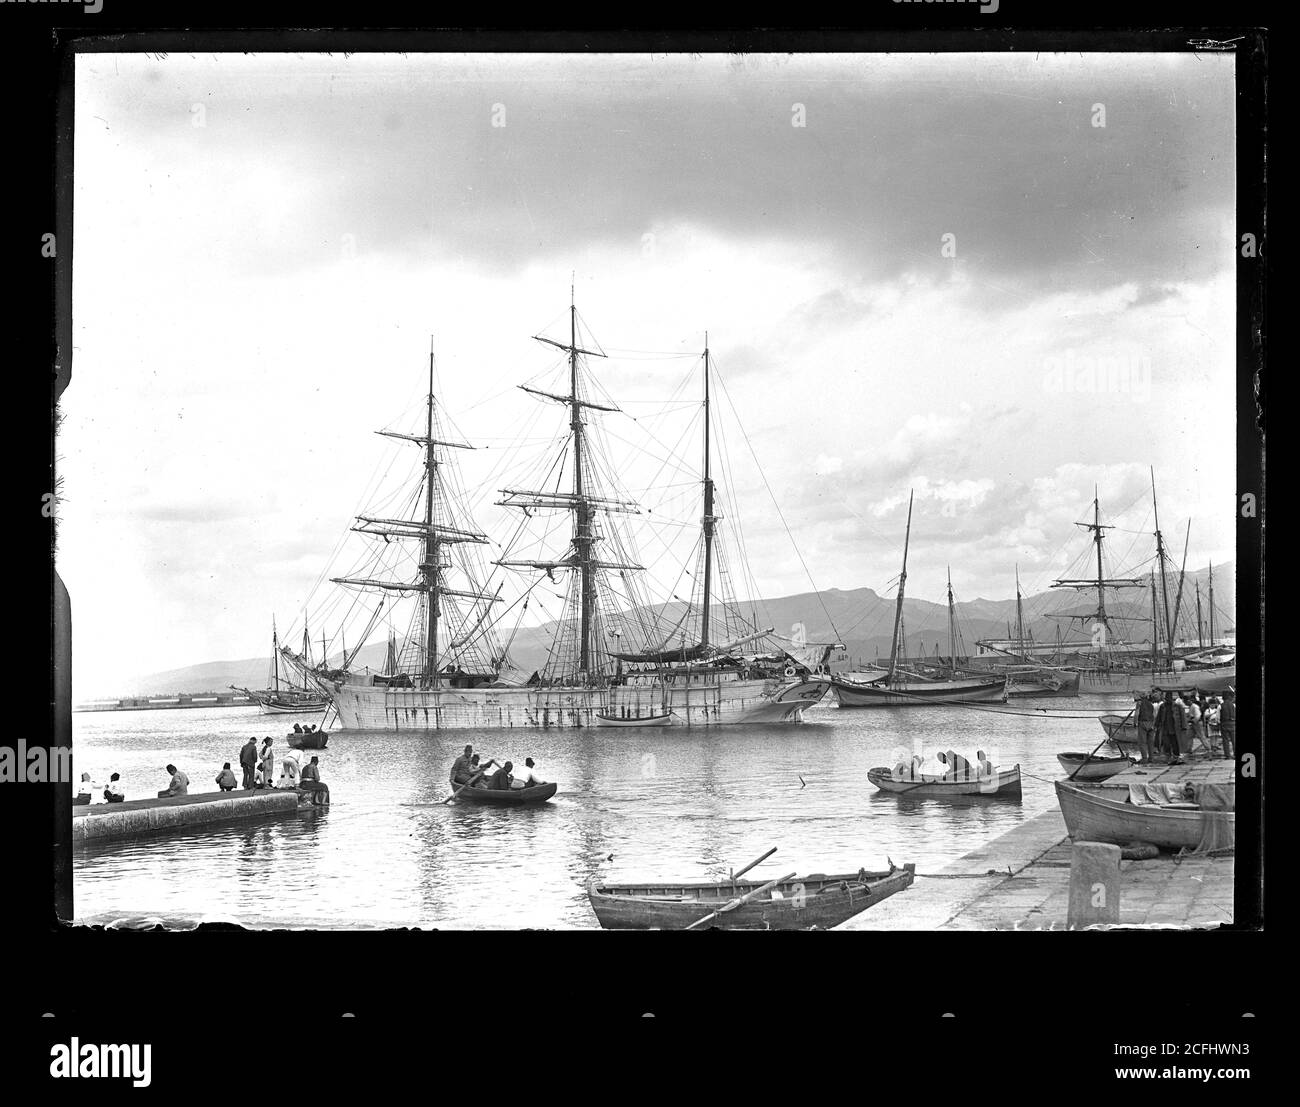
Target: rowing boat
[800, 903]
[663, 718]
[1104, 814]
[1003, 782]
[316, 740]
[1083, 766]
[507, 797]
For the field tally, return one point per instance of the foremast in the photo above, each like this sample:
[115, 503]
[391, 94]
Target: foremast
[433, 535]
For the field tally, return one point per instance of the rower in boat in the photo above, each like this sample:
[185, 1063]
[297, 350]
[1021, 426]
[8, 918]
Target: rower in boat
[501, 778]
[466, 767]
[983, 766]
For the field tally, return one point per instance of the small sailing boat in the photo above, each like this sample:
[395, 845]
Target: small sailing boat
[285, 696]
[898, 688]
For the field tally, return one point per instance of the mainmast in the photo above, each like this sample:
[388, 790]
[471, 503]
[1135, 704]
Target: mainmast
[708, 519]
[1101, 583]
[952, 627]
[275, 656]
[902, 582]
[1155, 625]
[1178, 601]
[429, 566]
[1200, 626]
[579, 501]
[1211, 603]
[1020, 619]
[1164, 582]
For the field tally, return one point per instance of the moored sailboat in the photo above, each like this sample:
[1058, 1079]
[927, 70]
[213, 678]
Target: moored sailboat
[898, 688]
[284, 695]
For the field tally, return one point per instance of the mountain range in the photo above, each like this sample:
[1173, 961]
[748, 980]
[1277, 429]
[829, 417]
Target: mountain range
[859, 618]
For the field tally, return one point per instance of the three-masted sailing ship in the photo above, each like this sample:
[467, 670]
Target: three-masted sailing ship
[901, 687]
[463, 676]
[1109, 662]
[286, 694]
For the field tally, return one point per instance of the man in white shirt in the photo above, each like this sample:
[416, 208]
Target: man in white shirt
[527, 776]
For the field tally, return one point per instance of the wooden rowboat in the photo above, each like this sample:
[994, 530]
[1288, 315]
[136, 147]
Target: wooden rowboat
[1103, 814]
[314, 741]
[1084, 766]
[1120, 729]
[605, 718]
[799, 903]
[507, 797]
[1003, 782]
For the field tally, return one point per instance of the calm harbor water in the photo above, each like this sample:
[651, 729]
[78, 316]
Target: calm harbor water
[659, 804]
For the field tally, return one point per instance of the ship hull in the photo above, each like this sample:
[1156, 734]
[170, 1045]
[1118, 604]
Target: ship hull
[919, 693]
[1182, 680]
[703, 704]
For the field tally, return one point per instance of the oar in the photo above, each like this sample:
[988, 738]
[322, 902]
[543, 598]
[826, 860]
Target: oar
[739, 901]
[746, 869]
[464, 786]
[1098, 746]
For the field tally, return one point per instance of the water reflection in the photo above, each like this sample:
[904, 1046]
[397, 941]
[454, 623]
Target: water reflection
[662, 804]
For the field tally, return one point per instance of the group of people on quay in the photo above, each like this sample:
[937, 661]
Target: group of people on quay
[952, 766]
[468, 770]
[112, 792]
[1172, 726]
[258, 766]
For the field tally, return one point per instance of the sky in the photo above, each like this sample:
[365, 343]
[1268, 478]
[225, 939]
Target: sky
[937, 273]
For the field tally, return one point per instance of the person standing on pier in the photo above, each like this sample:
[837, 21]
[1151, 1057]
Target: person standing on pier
[266, 767]
[1194, 725]
[1228, 724]
[248, 761]
[1146, 724]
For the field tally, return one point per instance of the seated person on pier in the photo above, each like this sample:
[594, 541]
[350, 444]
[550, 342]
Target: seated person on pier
[310, 782]
[113, 793]
[501, 778]
[84, 791]
[179, 786]
[226, 779]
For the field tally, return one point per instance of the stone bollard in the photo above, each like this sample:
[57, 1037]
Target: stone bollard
[1094, 884]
